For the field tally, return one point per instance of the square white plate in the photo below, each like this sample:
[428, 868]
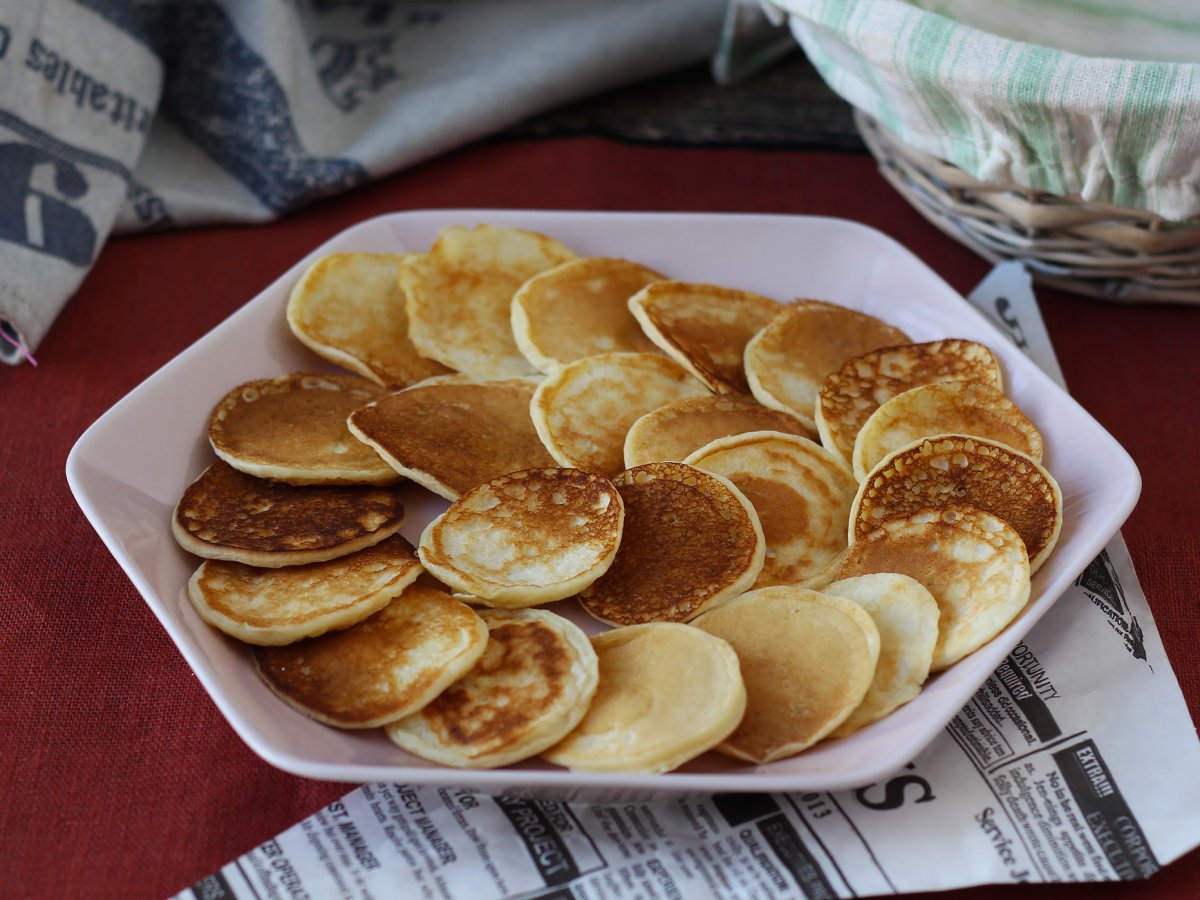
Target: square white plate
[129, 469]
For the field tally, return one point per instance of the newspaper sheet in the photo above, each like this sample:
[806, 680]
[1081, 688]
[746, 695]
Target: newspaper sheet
[1052, 773]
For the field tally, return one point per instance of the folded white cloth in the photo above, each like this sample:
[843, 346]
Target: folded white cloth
[138, 114]
[1099, 100]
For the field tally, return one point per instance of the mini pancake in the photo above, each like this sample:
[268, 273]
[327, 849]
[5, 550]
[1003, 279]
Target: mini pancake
[907, 618]
[691, 540]
[530, 688]
[973, 564]
[527, 537]
[459, 296]
[674, 431]
[280, 606]
[807, 661]
[227, 514]
[579, 309]
[704, 327]
[957, 468]
[788, 361]
[864, 383]
[450, 434]
[962, 407]
[348, 308]
[293, 429]
[667, 693]
[802, 496]
[386, 667]
[584, 410]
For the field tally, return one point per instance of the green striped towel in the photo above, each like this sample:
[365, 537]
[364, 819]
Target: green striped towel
[962, 80]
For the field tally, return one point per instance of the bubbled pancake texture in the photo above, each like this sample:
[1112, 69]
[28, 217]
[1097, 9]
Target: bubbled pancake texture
[526, 530]
[961, 469]
[862, 384]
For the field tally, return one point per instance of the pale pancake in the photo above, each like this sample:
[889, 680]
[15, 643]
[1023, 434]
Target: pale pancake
[807, 661]
[280, 606]
[349, 309]
[788, 361]
[579, 309]
[704, 327]
[530, 688]
[691, 540]
[527, 537]
[459, 296]
[386, 667]
[583, 411]
[673, 432]
[450, 434]
[802, 496]
[956, 468]
[293, 429]
[862, 384]
[973, 564]
[667, 693]
[227, 514]
[961, 407]
[907, 618]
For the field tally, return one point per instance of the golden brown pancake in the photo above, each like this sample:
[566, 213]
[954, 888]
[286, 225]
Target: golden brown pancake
[807, 661]
[973, 564]
[384, 668]
[451, 434]
[864, 383]
[788, 360]
[583, 411]
[293, 429]
[961, 407]
[673, 432]
[349, 309]
[579, 309]
[668, 692]
[802, 496]
[690, 540]
[526, 538]
[960, 469]
[227, 514]
[459, 296]
[704, 327]
[280, 606]
[532, 685]
[907, 618]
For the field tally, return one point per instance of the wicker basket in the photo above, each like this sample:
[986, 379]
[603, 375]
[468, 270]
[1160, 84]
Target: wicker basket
[1087, 248]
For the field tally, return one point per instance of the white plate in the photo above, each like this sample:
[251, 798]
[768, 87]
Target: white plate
[128, 470]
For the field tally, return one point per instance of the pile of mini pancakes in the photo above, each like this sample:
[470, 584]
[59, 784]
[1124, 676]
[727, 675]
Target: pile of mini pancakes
[789, 513]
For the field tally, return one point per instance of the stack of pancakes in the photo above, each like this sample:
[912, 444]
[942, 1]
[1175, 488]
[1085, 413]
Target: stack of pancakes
[785, 515]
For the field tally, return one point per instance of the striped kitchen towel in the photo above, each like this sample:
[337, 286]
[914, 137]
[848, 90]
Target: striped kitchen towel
[1095, 99]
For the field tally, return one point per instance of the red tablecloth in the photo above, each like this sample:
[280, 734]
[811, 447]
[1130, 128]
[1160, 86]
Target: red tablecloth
[122, 777]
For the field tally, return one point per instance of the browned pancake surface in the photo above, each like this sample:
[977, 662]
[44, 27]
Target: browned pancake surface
[688, 541]
[293, 428]
[706, 327]
[674, 431]
[458, 432]
[226, 514]
[378, 670]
